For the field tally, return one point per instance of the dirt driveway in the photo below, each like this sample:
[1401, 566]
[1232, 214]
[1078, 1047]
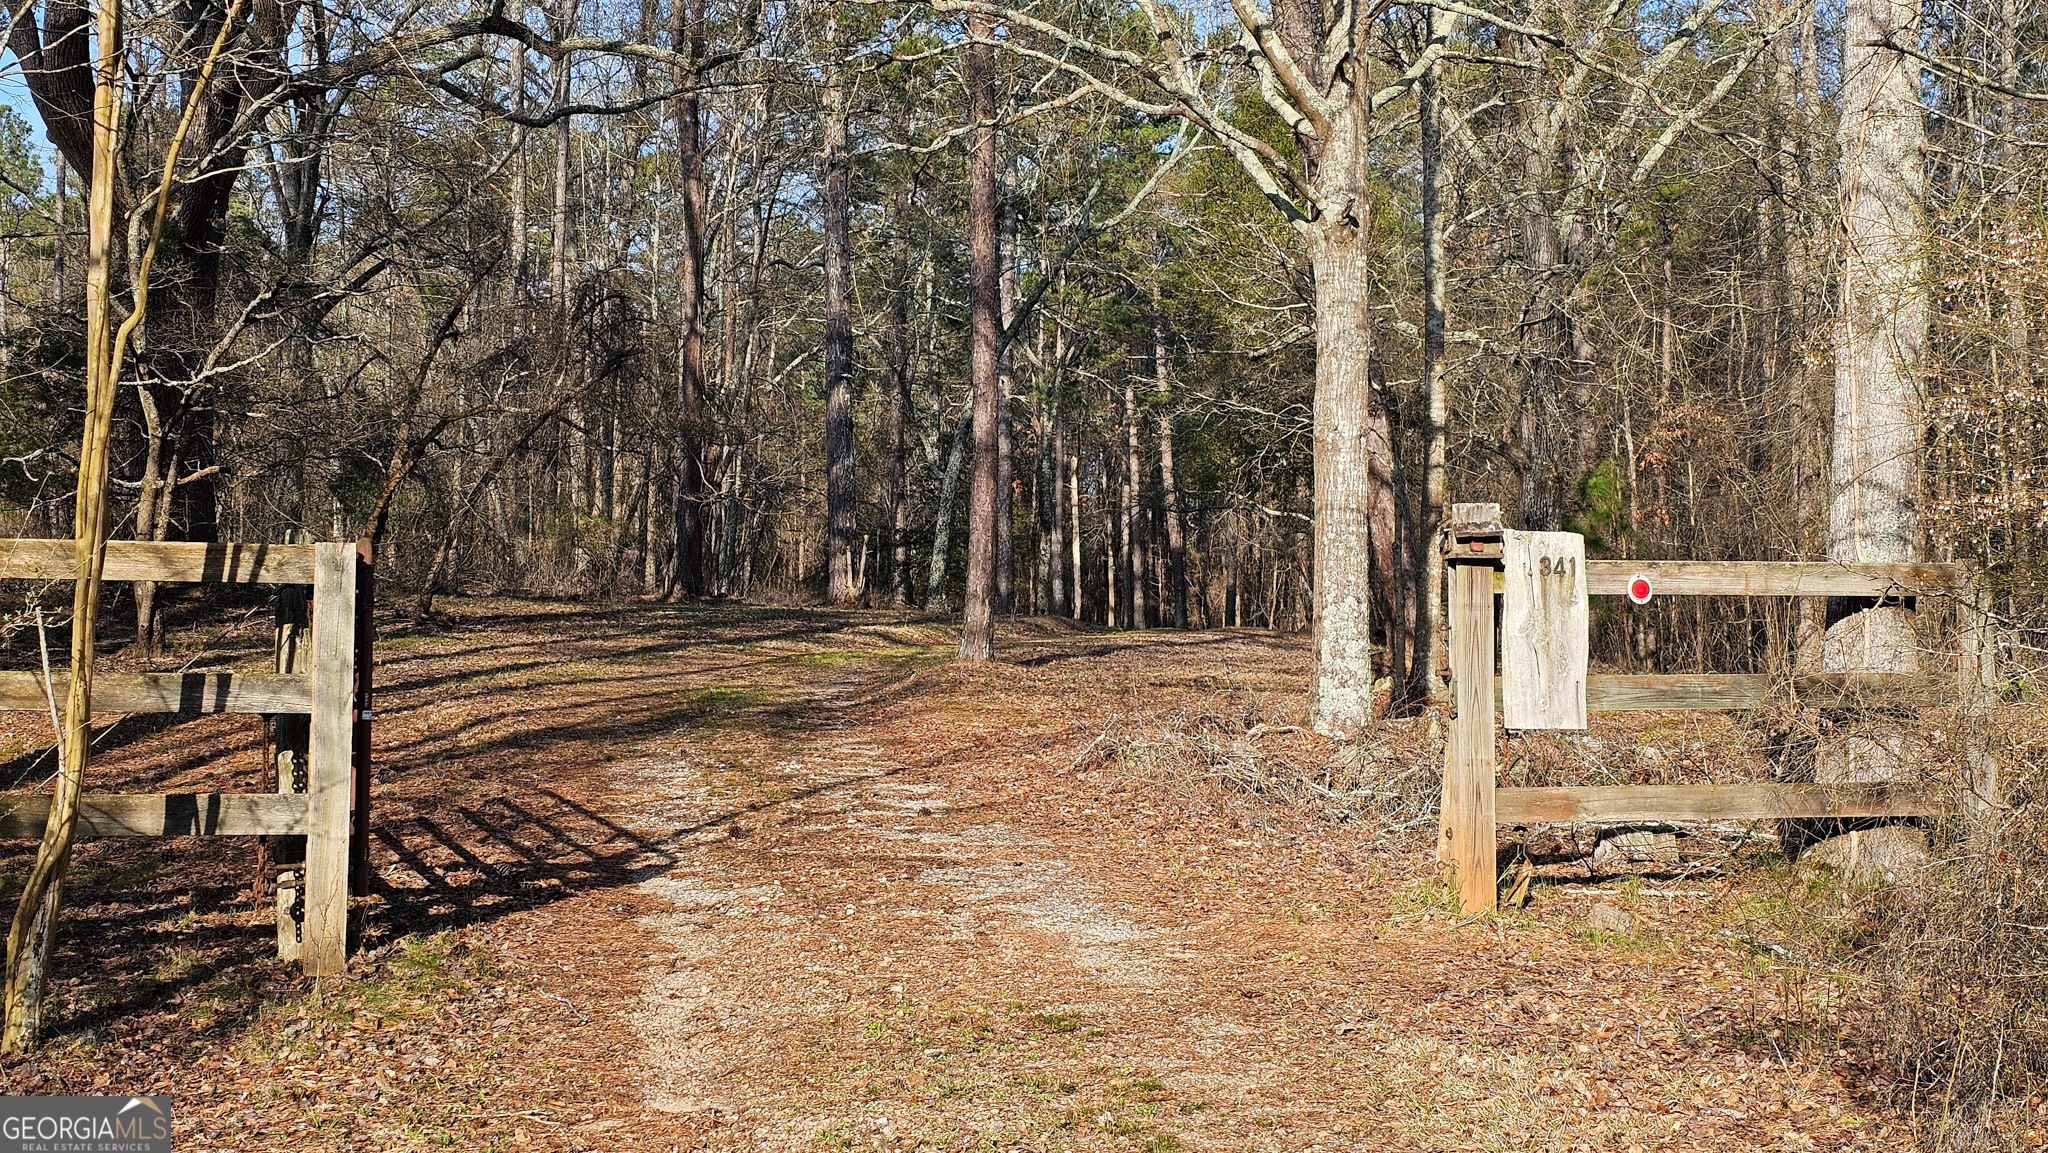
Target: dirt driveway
[661, 878]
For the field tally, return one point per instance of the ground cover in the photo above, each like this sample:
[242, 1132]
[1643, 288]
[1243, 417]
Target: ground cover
[657, 877]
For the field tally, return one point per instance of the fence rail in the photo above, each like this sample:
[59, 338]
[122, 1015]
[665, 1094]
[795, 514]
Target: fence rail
[1625, 803]
[171, 561]
[164, 815]
[166, 692]
[1773, 578]
[1662, 692]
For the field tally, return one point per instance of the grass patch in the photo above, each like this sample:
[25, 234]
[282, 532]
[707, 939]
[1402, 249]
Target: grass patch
[178, 964]
[1637, 940]
[838, 658]
[1063, 1021]
[725, 706]
[1426, 895]
[419, 981]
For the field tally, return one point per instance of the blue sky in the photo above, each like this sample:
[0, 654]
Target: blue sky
[14, 94]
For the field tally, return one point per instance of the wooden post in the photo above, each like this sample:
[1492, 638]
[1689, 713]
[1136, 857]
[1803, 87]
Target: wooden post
[330, 788]
[1467, 844]
[291, 737]
[1976, 689]
[366, 633]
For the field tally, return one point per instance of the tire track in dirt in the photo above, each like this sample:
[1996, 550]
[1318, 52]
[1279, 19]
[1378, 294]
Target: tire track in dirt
[926, 951]
[981, 877]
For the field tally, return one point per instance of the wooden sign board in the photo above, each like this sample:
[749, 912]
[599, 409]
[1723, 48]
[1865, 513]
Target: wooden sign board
[1543, 631]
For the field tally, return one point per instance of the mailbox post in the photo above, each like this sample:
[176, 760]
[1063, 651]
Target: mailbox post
[1465, 843]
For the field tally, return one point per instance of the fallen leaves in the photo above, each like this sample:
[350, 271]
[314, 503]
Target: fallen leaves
[952, 925]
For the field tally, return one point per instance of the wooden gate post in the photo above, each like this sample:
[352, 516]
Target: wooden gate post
[365, 663]
[1467, 848]
[330, 790]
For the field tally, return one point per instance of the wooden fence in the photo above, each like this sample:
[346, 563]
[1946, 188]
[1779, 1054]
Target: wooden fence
[317, 696]
[1473, 805]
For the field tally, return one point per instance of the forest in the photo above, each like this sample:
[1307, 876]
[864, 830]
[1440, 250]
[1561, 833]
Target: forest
[683, 303]
[1029, 324]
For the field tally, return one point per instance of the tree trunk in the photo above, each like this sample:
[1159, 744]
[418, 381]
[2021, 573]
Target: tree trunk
[1006, 503]
[1112, 568]
[1006, 462]
[1545, 332]
[1429, 631]
[60, 281]
[558, 300]
[1054, 451]
[32, 936]
[899, 413]
[978, 624]
[516, 232]
[1060, 594]
[730, 562]
[839, 479]
[1233, 611]
[688, 573]
[558, 226]
[1131, 568]
[1340, 692]
[1795, 278]
[942, 523]
[1384, 532]
[1880, 417]
[1045, 510]
[1176, 542]
[1074, 528]
[152, 495]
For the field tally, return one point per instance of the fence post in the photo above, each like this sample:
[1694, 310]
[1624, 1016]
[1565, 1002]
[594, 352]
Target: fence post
[329, 777]
[291, 737]
[1467, 846]
[365, 664]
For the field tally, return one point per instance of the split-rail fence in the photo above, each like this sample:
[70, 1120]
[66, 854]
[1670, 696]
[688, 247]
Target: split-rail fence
[1474, 805]
[317, 696]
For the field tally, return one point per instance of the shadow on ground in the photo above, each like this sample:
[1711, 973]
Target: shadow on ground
[493, 720]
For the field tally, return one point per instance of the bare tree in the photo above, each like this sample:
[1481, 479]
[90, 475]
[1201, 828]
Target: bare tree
[1169, 488]
[691, 62]
[32, 934]
[838, 256]
[1427, 602]
[1880, 409]
[900, 401]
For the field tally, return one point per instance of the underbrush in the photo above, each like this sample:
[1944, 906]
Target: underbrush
[1941, 982]
[1393, 778]
[1963, 957]
[1245, 746]
[1942, 978]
